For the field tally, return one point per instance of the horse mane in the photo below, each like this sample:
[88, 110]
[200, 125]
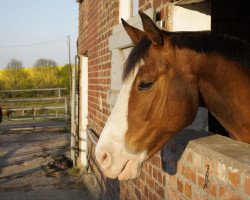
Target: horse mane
[230, 47]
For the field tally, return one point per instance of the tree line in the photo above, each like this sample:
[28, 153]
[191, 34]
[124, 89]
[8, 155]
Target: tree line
[45, 73]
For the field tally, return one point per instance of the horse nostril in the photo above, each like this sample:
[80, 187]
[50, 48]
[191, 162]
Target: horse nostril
[104, 159]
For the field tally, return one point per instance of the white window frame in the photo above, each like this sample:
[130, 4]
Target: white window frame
[120, 45]
[128, 9]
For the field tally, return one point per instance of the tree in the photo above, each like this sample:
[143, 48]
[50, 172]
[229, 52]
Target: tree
[65, 77]
[43, 62]
[46, 73]
[15, 75]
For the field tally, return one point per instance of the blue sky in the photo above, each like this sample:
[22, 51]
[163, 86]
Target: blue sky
[28, 22]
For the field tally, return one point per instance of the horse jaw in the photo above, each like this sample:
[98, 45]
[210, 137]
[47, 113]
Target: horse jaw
[112, 156]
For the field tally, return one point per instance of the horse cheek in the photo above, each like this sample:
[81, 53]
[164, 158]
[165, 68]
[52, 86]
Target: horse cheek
[182, 104]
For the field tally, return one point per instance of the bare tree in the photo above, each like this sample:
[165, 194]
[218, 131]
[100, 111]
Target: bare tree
[43, 62]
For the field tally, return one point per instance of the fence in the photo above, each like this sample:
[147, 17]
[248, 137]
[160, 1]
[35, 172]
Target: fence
[38, 107]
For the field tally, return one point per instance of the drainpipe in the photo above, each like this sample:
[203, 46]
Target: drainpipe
[77, 110]
[73, 114]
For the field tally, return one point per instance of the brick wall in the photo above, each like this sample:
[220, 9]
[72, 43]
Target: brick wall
[229, 178]
[210, 168]
[220, 158]
[96, 19]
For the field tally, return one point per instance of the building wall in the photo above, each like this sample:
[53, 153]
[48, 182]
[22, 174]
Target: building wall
[96, 19]
[209, 168]
[227, 178]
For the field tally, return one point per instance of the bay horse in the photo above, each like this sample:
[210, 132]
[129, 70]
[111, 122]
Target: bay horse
[166, 76]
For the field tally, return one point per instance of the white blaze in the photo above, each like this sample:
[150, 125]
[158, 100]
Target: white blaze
[112, 139]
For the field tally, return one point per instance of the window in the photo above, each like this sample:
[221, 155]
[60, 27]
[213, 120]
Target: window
[128, 8]
[120, 46]
[135, 7]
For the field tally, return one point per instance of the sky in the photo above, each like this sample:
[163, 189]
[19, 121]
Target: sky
[33, 29]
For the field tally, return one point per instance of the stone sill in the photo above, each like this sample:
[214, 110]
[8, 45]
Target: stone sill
[224, 150]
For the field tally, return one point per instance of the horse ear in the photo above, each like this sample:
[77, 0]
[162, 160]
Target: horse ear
[135, 34]
[151, 30]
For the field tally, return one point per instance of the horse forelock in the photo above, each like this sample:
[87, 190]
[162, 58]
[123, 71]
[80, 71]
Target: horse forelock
[138, 53]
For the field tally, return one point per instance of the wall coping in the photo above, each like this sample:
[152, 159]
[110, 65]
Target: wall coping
[224, 150]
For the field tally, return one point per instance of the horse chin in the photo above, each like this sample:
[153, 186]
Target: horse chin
[130, 170]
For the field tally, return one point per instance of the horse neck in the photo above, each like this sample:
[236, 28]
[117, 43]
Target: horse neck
[225, 88]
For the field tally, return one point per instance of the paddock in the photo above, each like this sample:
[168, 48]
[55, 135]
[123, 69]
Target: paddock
[36, 105]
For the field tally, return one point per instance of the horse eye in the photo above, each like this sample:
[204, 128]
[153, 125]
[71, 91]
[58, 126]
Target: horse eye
[145, 85]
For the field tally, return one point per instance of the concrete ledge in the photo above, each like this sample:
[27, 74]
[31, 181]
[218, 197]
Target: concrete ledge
[223, 149]
[212, 167]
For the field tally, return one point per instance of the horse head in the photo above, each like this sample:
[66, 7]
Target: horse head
[155, 102]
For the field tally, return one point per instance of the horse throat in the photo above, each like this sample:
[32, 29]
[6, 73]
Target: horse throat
[225, 88]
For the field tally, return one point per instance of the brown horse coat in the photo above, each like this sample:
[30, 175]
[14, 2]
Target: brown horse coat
[166, 76]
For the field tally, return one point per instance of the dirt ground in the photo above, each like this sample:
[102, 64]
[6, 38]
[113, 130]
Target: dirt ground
[22, 177]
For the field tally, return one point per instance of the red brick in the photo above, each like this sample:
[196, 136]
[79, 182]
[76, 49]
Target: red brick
[189, 173]
[164, 180]
[150, 182]
[172, 181]
[200, 180]
[226, 194]
[155, 173]
[150, 169]
[142, 176]
[137, 193]
[188, 190]
[247, 185]
[212, 189]
[199, 195]
[156, 161]
[173, 195]
[234, 177]
[150, 195]
[159, 190]
[154, 197]
[179, 185]
[189, 155]
[160, 178]
[142, 187]
[179, 166]
[137, 182]
[146, 191]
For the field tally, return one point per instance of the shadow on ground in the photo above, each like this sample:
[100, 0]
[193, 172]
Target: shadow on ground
[22, 155]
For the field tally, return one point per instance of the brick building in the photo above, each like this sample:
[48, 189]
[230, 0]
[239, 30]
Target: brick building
[204, 171]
